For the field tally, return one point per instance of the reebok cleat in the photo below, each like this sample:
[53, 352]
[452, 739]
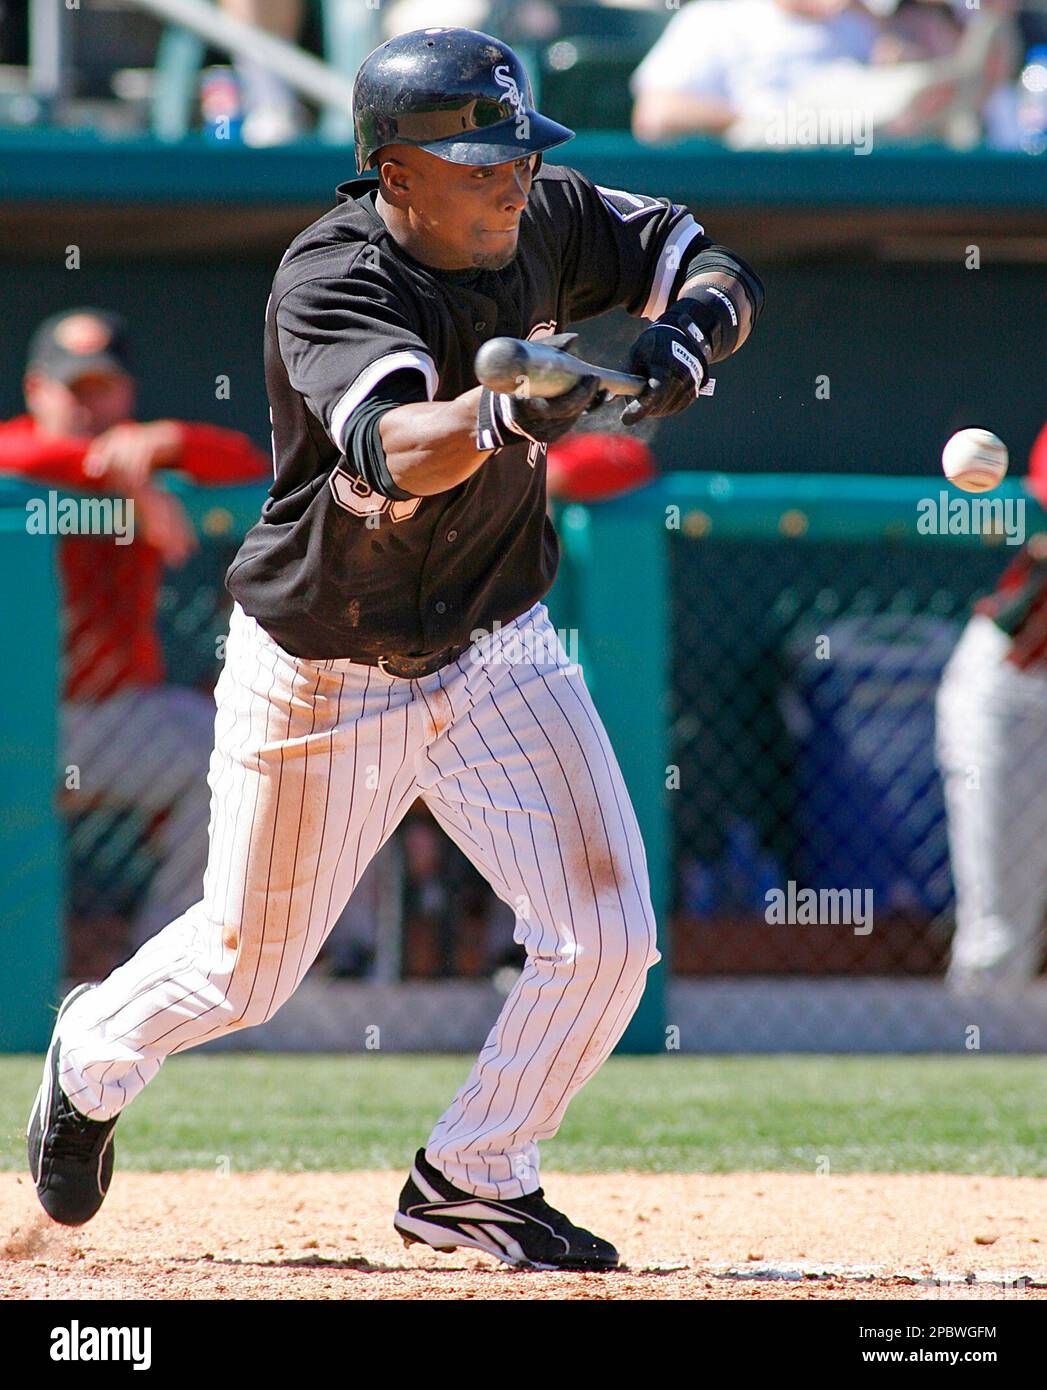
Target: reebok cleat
[70, 1156]
[521, 1231]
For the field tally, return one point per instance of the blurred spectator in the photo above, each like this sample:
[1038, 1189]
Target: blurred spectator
[402, 16]
[515, 21]
[135, 740]
[956, 85]
[760, 73]
[720, 61]
[273, 115]
[992, 752]
[914, 30]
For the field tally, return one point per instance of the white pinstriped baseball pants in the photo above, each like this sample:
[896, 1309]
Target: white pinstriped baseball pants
[314, 765]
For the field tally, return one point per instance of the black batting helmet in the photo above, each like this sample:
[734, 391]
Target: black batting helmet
[459, 94]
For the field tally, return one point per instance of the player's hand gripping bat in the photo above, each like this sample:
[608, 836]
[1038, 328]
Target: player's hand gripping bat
[523, 369]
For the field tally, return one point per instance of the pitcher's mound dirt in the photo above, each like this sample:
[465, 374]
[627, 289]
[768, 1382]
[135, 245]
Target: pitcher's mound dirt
[329, 1235]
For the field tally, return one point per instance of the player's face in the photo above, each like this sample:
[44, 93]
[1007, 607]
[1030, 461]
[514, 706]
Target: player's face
[88, 405]
[461, 215]
[491, 200]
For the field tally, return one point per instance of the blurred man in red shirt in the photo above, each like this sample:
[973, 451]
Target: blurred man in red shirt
[992, 751]
[133, 740]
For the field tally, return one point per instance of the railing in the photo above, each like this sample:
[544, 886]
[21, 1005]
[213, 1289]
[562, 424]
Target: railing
[352, 33]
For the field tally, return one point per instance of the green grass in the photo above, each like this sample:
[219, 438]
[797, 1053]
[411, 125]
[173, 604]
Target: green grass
[967, 1114]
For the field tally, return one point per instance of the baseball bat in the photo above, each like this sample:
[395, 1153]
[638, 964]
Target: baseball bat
[505, 364]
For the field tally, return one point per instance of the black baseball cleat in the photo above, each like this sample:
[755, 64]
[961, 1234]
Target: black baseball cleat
[70, 1156]
[523, 1231]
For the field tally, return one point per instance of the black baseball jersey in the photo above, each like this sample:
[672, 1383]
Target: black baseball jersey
[338, 566]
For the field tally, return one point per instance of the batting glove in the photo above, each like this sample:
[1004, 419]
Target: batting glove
[540, 419]
[672, 356]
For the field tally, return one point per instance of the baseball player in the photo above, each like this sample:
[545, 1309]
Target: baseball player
[389, 642]
[991, 736]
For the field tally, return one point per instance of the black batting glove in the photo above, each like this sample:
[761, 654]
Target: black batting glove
[672, 357]
[541, 419]
[503, 418]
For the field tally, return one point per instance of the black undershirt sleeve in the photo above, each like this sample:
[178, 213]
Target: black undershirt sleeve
[716, 257]
[364, 452]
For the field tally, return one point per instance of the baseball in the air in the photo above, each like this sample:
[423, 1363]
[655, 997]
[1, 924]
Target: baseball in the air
[975, 460]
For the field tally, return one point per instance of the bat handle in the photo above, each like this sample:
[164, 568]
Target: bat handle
[623, 384]
[620, 383]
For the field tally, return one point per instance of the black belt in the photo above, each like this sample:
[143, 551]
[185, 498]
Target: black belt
[415, 667]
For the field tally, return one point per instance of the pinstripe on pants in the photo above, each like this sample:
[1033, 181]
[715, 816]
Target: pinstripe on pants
[314, 765]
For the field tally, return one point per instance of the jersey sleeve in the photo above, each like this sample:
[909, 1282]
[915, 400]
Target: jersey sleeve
[340, 337]
[364, 450]
[623, 250]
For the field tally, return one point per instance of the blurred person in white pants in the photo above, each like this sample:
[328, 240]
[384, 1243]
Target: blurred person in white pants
[992, 752]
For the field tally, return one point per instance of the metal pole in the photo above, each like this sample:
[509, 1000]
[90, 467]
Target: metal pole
[47, 65]
[306, 74]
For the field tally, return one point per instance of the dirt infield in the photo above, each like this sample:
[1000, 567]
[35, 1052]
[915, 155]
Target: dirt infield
[695, 1236]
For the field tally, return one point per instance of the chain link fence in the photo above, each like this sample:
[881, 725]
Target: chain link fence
[858, 796]
[809, 839]
[804, 686]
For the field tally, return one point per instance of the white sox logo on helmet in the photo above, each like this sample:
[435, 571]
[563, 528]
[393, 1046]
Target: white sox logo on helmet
[507, 82]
